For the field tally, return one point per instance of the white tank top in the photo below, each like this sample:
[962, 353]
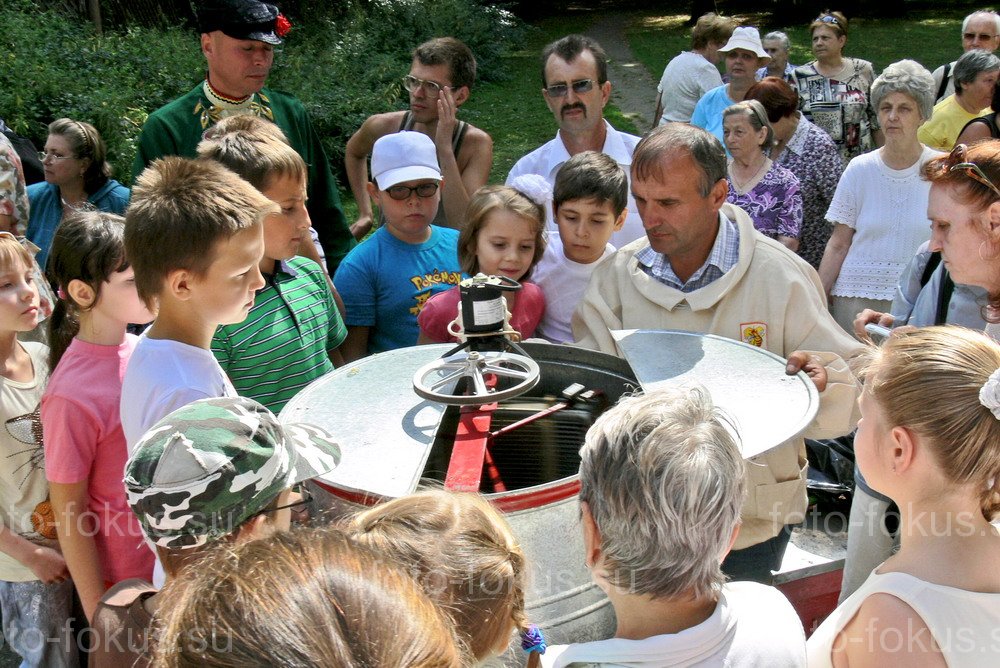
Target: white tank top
[965, 624]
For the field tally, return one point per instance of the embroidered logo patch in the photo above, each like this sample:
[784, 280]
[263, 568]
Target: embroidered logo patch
[754, 333]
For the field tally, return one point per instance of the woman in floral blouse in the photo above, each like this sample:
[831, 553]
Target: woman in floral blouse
[13, 196]
[834, 89]
[809, 154]
[765, 190]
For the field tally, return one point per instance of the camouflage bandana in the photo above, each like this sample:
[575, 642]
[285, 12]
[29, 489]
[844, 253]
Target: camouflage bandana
[206, 468]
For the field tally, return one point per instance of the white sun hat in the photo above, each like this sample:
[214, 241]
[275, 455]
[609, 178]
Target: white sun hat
[746, 38]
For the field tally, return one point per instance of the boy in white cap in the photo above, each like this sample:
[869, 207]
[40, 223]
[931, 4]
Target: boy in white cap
[386, 280]
[744, 55]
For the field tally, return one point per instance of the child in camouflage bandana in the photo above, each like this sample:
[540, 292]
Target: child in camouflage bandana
[214, 470]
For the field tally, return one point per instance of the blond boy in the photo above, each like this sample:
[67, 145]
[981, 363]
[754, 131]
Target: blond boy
[292, 334]
[193, 235]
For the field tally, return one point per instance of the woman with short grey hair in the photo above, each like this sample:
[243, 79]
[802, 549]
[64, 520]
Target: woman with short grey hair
[975, 77]
[757, 184]
[907, 77]
[662, 482]
[879, 210]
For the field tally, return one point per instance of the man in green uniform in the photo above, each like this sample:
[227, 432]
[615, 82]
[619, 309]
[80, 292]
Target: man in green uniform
[238, 38]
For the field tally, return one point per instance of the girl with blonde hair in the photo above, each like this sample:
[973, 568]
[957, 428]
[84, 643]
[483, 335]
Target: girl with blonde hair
[464, 554]
[305, 598]
[503, 235]
[929, 438]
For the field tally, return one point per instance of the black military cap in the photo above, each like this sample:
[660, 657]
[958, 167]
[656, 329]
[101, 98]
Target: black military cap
[240, 19]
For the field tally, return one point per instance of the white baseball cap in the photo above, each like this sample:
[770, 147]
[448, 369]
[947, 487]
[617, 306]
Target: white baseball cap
[404, 156]
[746, 38]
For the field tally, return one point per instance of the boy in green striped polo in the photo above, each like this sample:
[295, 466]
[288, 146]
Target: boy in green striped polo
[292, 334]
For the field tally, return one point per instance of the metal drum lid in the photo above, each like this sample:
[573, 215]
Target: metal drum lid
[384, 428]
[767, 406]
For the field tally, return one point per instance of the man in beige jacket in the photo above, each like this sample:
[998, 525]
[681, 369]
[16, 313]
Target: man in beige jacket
[703, 268]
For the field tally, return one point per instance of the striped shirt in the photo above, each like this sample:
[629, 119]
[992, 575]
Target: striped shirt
[724, 256]
[282, 345]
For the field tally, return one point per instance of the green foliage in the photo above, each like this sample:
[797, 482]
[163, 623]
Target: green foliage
[56, 67]
[343, 69]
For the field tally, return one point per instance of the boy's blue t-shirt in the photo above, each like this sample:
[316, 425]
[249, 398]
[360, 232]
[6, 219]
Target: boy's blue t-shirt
[384, 283]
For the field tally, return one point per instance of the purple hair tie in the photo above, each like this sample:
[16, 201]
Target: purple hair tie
[532, 640]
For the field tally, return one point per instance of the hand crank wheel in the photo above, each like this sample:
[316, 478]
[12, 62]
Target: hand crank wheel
[441, 380]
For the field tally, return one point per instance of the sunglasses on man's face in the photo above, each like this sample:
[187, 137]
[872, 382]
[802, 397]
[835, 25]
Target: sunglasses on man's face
[957, 162]
[561, 89]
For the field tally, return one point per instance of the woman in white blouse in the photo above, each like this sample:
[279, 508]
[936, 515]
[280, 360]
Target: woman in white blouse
[879, 211]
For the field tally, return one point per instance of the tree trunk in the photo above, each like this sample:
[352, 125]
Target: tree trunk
[94, 12]
[698, 8]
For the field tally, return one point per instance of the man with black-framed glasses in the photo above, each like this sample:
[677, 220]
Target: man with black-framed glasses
[575, 87]
[440, 78]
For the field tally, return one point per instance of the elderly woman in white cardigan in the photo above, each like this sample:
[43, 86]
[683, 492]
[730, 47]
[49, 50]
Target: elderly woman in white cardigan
[879, 211]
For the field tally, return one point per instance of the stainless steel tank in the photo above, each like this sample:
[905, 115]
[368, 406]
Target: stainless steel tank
[392, 440]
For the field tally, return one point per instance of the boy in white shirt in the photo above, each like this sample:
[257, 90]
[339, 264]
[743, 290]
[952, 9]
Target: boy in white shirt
[194, 236]
[588, 205]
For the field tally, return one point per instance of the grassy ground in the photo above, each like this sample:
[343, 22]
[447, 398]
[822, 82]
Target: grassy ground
[929, 36]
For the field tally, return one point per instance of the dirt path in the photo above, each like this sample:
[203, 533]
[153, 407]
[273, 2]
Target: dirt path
[633, 90]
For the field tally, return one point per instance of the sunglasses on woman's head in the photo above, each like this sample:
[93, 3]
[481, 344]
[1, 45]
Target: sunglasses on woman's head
[829, 19]
[957, 162]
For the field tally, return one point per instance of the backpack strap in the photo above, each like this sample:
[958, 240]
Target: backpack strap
[944, 298]
[932, 263]
[944, 81]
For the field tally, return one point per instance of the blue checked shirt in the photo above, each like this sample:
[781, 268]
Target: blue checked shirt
[724, 256]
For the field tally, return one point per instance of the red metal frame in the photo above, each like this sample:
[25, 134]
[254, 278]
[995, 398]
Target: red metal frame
[814, 597]
[465, 469]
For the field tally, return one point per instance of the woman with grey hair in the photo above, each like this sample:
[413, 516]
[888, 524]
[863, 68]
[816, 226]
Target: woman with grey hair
[662, 482]
[758, 185]
[975, 77]
[879, 210]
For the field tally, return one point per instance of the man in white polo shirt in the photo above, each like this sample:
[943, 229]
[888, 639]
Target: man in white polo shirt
[576, 88]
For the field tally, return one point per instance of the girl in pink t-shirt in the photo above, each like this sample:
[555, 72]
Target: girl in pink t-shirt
[503, 235]
[85, 449]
